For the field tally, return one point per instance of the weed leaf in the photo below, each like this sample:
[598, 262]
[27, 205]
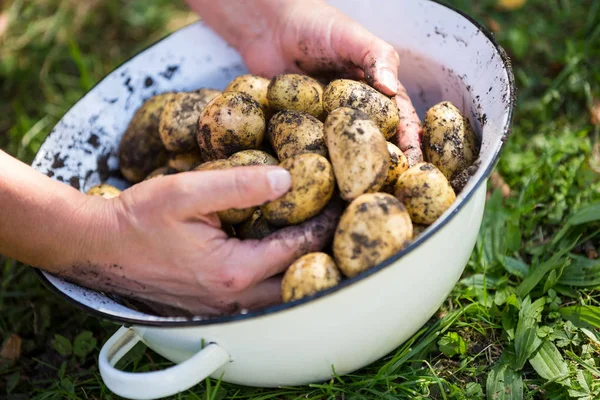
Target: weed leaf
[549, 364]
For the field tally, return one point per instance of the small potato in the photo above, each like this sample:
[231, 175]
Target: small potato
[184, 161]
[398, 164]
[373, 227]
[360, 96]
[425, 192]
[296, 92]
[311, 273]
[313, 184]
[449, 141]
[252, 157]
[104, 190]
[234, 215]
[207, 94]
[141, 149]
[178, 122]
[254, 85]
[358, 152]
[296, 132]
[231, 122]
[257, 227]
[162, 171]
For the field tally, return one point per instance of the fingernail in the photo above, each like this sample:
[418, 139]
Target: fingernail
[388, 79]
[280, 180]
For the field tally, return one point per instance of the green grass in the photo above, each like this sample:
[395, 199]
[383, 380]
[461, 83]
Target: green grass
[522, 323]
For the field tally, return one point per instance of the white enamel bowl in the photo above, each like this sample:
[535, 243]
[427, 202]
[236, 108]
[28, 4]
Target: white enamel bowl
[444, 56]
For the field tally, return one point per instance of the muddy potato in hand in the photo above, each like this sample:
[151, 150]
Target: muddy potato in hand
[104, 190]
[182, 162]
[360, 96]
[252, 157]
[449, 141]
[425, 192]
[178, 122]
[232, 216]
[296, 132]
[372, 228]
[296, 92]
[313, 184]
[257, 227]
[253, 85]
[358, 152]
[141, 149]
[162, 171]
[311, 273]
[230, 123]
[398, 164]
[207, 94]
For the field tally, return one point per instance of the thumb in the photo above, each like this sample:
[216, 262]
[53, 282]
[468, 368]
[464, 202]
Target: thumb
[212, 191]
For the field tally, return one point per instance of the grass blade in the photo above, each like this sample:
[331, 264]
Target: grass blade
[539, 272]
[587, 316]
[582, 272]
[585, 215]
[550, 364]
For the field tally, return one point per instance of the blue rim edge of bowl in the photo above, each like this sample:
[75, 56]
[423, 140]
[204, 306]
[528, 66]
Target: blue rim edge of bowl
[347, 282]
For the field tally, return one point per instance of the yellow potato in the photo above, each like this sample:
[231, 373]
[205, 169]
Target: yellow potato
[252, 157]
[296, 132]
[313, 184]
[162, 171]
[178, 121]
[296, 92]
[398, 164]
[185, 161]
[104, 190]
[360, 96]
[256, 227]
[310, 274]
[141, 150]
[254, 85]
[207, 94]
[358, 152]
[449, 141]
[425, 192]
[232, 122]
[373, 227]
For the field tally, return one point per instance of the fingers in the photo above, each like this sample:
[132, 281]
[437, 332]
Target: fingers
[408, 138]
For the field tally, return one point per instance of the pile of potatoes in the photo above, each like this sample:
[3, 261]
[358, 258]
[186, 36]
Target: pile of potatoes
[335, 139]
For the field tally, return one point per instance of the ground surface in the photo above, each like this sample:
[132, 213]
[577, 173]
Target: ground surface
[522, 324]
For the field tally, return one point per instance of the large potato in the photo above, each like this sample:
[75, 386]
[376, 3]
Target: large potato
[252, 157]
[141, 150]
[360, 96]
[230, 123]
[296, 132]
[313, 184]
[449, 141]
[257, 227]
[296, 92]
[234, 215]
[311, 273]
[179, 121]
[207, 94]
[373, 227]
[398, 164]
[104, 190]
[254, 85]
[358, 152]
[425, 192]
[185, 161]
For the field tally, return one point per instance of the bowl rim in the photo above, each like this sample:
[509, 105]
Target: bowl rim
[188, 322]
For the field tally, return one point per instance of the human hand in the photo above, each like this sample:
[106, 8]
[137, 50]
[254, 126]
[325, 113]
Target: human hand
[165, 245]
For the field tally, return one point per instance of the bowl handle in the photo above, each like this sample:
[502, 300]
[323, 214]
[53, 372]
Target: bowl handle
[156, 384]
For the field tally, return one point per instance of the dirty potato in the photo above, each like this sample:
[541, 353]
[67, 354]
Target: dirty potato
[425, 192]
[398, 164]
[373, 227]
[313, 184]
[418, 229]
[296, 132]
[141, 149]
[234, 215]
[311, 273]
[449, 141]
[104, 190]
[360, 96]
[257, 227]
[185, 161]
[358, 152]
[252, 157]
[162, 171]
[296, 92]
[254, 85]
[179, 122]
[207, 94]
[231, 122]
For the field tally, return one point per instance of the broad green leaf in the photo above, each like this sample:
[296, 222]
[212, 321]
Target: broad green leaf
[62, 345]
[513, 235]
[587, 316]
[516, 267]
[68, 385]
[503, 383]
[539, 272]
[473, 390]
[480, 281]
[84, 344]
[584, 215]
[452, 344]
[582, 272]
[526, 339]
[549, 364]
